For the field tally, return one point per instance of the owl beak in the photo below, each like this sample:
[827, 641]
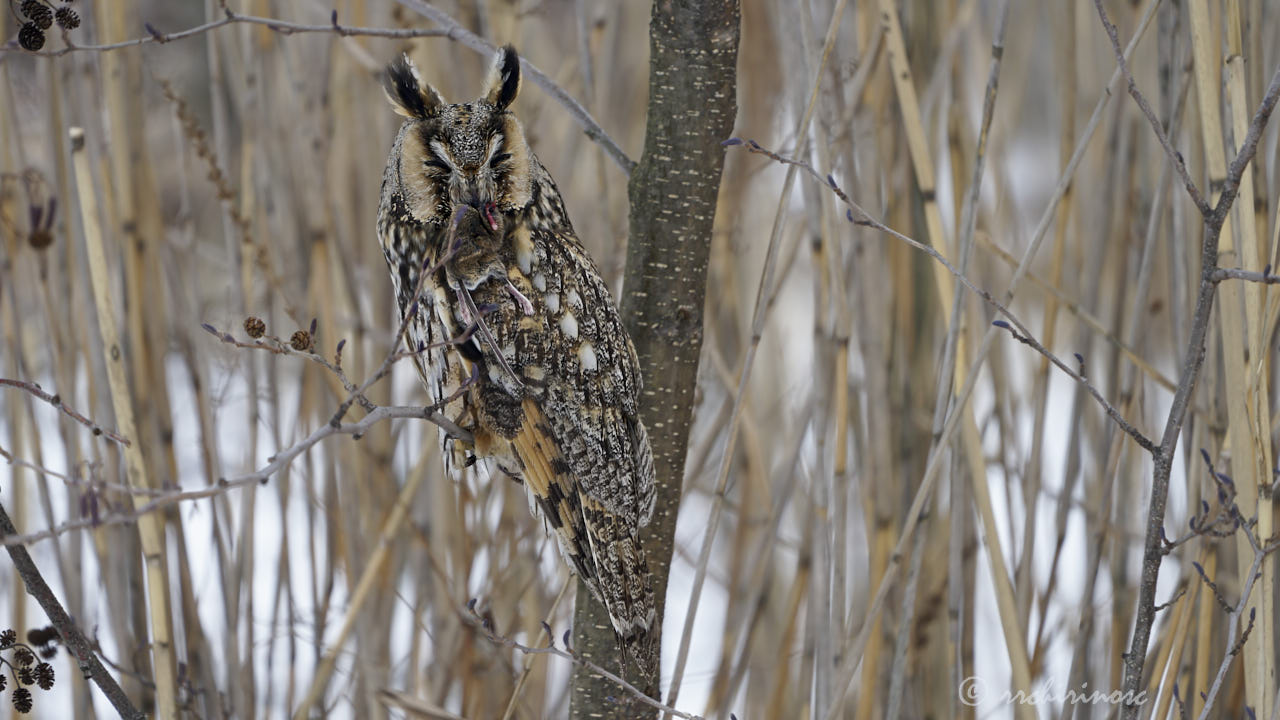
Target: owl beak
[487, 208]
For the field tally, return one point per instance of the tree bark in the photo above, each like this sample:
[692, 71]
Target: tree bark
[692, 105]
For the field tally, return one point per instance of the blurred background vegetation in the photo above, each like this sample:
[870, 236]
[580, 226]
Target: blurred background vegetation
[236, 173]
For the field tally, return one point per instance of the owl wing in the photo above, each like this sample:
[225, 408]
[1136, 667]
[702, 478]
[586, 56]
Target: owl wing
[573, 357]
[441, 367]
[591, 392]
[428, 332]
[601, 545]
[582, 450]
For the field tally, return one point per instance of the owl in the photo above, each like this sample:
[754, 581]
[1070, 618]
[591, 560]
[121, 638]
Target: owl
[516, 335]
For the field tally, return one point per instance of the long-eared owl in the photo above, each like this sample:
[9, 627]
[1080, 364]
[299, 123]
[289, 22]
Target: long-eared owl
[516, 335]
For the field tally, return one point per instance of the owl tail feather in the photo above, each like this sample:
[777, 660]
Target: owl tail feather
[641, 649]
[624, 584]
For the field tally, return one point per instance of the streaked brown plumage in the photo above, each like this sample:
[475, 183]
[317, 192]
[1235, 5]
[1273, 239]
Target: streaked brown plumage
[516, 325]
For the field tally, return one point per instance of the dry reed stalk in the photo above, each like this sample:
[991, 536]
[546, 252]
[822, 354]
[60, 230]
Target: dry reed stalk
[299, 146]
[1169, 660]
[1205, 616]
[781, 682]
[19, 445]
[1246, 411]
[881, 466]
[970, 439]
[741, 621]
[820, 616]
[372, 570]
[1254, 385]
[1068, 81]
[9, 208]
[963, 394]
[61, 325]
[150, 527]
[841, 478]
[1091, 321]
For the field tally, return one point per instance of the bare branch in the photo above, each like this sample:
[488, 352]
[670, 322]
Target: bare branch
[1234, 625]
[282, 459]
[1265, 277]
[74, 481]
[1247, 150]
[1153, 551]
[1027, 339]
[275, 464]
[283, 27]
[1174, 156]
[75, 640]
[857, 215]
[275, 345]
[56, 401]
[448, 28]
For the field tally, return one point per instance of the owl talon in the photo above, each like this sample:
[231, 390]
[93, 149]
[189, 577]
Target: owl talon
[473, 379]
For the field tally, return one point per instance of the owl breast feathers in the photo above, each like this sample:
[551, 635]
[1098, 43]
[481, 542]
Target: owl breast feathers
[516, 334]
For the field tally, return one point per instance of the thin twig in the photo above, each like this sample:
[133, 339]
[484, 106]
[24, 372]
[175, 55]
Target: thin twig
[275, 464]
[1143, 441]
[1156, 126]
[277, 346]
[859, 216]
[283, 27]
[1074, 307]
[528, 663]
[73, 481]
[356, 395]
[1259, 553]
[1265, 277]
[1248, 148]
[56, 401]
[472, 618]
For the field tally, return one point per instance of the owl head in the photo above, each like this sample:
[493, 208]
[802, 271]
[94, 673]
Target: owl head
[453, 156]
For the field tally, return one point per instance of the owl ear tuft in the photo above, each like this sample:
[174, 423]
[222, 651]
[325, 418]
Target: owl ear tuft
[503, 83]
[410, 96]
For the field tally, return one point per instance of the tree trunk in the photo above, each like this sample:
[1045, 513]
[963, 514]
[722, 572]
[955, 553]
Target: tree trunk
[692, 105]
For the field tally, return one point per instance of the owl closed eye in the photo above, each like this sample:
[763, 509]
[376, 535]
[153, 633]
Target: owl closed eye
[466, 154]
